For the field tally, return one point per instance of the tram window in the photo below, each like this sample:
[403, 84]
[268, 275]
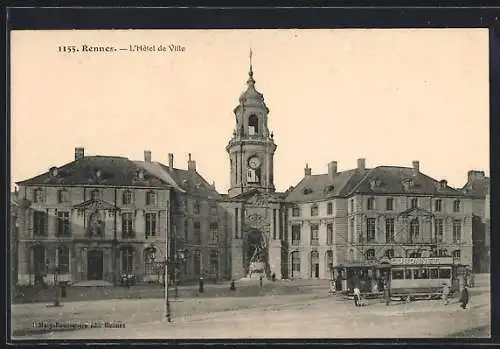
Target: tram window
[433, 273]
[397, 274]
[419, 273]
[408, 274]
[444, 273]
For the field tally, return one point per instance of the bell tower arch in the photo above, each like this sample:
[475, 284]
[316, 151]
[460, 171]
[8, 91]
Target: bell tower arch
[251, 149]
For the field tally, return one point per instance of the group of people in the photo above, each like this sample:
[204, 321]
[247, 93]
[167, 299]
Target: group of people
[464, 295]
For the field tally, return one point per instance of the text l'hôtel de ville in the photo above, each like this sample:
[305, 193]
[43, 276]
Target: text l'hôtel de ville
[132, 48]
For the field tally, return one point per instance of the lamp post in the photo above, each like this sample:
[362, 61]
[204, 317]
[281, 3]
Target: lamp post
[179, 257]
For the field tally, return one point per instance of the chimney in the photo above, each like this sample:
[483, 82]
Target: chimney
[474, 174]
[416, 167]
[170, 161]
[361, 164]
[307, 170]
[147, 155]
[332, 169]
[191, 163]
[79, 153]
[213, 184]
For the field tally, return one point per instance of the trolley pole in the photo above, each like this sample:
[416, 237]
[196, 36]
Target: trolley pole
[167, 255]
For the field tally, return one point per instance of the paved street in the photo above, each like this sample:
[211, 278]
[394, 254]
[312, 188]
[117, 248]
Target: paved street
[309, 314]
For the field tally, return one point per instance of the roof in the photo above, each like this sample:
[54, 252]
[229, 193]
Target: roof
[477, 188]
[120, 171]
[379, 180]
[391, 181]
[321, 187]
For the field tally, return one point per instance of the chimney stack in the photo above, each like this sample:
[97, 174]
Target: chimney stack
[307, 170]
[191, 163]
[79, 153]
[361, 164]
[147, 155]
[416, 167]
[170, 161]
[474, 174]
[332, 169]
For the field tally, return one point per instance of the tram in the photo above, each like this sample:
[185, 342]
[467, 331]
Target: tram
[407, 278]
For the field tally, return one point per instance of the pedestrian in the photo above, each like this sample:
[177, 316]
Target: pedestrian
[464, 297]
[200, 288]
[387, 295]
[446, 293]
[332, 289]
[232, 287]
[357, 297]
[260, 280]
[273, 277]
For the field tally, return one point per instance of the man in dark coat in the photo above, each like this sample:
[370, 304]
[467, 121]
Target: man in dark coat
[464, 297]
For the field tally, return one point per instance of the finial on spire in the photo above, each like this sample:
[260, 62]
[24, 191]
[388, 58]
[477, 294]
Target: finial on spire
[250, 56]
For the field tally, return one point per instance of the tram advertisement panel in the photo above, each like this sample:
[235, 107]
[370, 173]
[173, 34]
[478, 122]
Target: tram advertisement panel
[421, 260]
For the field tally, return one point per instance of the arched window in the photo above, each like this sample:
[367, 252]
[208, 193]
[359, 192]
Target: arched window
[295, 263]
[315, 264]
[150, 198]
[370, 254]
[127, 260]
[351, 255]
[253, 125]
[127, 197]
[62, 259]
[329, 261]
[149, 260]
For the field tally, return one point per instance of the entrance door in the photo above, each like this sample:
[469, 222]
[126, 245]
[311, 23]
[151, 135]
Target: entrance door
[39, 263]
[316, 270]
[94, 265]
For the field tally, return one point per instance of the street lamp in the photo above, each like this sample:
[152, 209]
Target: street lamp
[179, 257]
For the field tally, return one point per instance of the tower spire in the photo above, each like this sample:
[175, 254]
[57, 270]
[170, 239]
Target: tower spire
[250, 80]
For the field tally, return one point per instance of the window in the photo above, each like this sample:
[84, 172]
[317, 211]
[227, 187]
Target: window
[414, 229]
[197, 232]
[186, 230]
[329, 208]
[196, 208]
[127, 260]
[62, 256]
[398, 274]
[214, 231]
[38, 196]
[314, 210]
[127, 197]
[370, 204]
[150, 224]
[352, 205]
[253, 125]
[314, 234]
[213, 210]
[389, 254]
[40, 222]
[444, 273]
[149, 261]
[414, 203]
[295, 262]
[127, 225]
[438, 205]
[95, 194]
[351, 236]
[370, 229]
[433, 273]
[63, 224]
[295, 211]
[457, 230]
[197, 262]
[214, 264]
[420, 273]
[329, 234]
[296, 234]
[408, 273]
[150, 198]
[438, 227]
[389, 230]
[456, 206]
[389, 203]
[62, 196]
[370, 254]
[456, 254]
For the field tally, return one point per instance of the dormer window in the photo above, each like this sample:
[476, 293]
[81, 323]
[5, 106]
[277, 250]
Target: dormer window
[53, 171]
[443, 183]
[329, 188]
[98, 173]
[253, 125]
[375, 183]
[150, 198]
[307, 191]
[127, 197]
[140, 175]
[408, 184]
[95, 194]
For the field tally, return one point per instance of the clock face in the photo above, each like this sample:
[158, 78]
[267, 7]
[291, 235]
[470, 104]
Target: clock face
[254, 162]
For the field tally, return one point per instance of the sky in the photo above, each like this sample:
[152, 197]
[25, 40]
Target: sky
[390, 96]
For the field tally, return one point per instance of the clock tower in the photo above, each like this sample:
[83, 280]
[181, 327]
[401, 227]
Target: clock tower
[251, 149]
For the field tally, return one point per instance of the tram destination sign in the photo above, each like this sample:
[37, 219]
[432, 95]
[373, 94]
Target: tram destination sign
[421, 260]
